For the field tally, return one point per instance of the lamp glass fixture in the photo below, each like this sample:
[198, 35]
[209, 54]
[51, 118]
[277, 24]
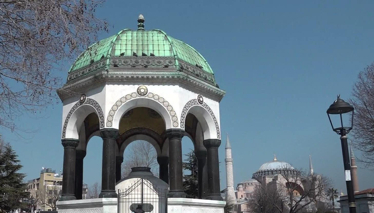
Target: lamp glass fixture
[340, 114]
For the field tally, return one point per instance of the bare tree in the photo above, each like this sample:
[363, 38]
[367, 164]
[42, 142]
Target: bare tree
[49, 196]
[290, 191]
[94, 190]
[266, 199]
[303, 190]
[140, 154]
[363, 102]
[34, 37]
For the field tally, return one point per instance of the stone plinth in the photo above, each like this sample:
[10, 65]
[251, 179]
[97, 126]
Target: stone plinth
[188, 205]
[97, 205]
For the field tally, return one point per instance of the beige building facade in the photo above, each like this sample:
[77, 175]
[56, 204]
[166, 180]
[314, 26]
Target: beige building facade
[46, 190]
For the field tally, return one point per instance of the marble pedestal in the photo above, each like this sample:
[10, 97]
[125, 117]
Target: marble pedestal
[109, 205]
[188, 205]
[97, 205]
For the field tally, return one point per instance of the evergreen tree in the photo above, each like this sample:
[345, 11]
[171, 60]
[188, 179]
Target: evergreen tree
[190, 182]
[12, 188]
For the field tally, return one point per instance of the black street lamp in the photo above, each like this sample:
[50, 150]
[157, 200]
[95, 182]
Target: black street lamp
[341, 108]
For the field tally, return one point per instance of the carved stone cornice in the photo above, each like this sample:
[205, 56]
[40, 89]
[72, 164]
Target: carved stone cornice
[144, 63]
[182, 79]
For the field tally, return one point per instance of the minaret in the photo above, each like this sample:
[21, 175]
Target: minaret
[230, 194]
[311, 171]
[354, 171]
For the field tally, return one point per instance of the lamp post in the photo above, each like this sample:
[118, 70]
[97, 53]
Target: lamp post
[341, 109]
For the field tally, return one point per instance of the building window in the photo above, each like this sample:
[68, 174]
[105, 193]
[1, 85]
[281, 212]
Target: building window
[49, 201]
[50, 192]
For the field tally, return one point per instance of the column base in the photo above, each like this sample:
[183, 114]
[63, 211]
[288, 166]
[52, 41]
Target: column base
[188, 205]
[67, 197]
[96, 205]
[108, 194]
[214, 197]
[177, 194]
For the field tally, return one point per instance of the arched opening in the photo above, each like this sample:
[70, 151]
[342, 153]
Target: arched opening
[86, 175]
[141, 140]
[194, 159]
[125, 109]
[140, 153]
[76, 118]
[205, 115]
[190, 168]
[92, 174]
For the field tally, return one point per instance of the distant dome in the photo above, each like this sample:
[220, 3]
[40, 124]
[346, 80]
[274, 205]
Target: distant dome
[273, 168]
[275, 165]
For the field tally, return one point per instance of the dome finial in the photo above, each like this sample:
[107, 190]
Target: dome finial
[141, 22]
[275, 157]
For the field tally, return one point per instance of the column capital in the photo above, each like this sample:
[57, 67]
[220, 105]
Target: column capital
[69, 142]
[174, 133]
[163, 159]
[109, 133]
[81, 154]
[208, 143]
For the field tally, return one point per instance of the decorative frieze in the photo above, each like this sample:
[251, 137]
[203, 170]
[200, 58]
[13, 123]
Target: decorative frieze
[95, 66]
[162, 64]
[199, 102]
[135, 95]
[84, 101]
[171, 77]
[143, 61]
[196, 71]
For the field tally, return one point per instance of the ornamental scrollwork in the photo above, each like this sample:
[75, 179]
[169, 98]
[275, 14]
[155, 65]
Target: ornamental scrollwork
[195, 102]
[149, 95]
[87, 101]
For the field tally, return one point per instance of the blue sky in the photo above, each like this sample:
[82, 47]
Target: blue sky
[282, 63]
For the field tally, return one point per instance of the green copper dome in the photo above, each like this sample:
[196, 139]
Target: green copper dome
[140, 43]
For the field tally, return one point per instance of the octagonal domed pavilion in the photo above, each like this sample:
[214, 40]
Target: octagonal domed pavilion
[141, 85]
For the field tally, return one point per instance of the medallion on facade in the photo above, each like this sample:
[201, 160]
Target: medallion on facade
[82, 99]
[142, 90]
[200, 99]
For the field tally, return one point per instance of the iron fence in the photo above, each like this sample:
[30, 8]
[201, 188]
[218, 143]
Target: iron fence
[142, 196]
